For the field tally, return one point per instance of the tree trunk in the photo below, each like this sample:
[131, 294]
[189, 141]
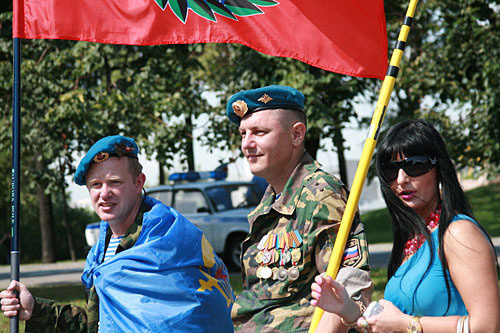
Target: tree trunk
[312, 142]
[48, 255]
[161, 174]
[189, 144]
[338, 141]
[69, 236]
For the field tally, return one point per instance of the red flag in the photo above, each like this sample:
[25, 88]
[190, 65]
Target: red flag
[343, 36]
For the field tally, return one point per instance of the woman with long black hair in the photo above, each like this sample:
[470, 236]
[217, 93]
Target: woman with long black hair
[443, 271]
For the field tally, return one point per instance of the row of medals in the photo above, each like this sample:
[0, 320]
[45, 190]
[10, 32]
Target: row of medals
[267, 256]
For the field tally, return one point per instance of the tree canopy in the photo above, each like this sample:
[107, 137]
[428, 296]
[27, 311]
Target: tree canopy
[74, 93]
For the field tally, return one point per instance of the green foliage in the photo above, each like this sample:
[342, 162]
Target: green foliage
[379, 278]
[230, 68]
[74, 93]
[450, 74]
[377, 225]
[483, 201]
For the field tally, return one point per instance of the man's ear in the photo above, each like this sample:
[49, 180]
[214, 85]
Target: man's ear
[139, 182]
[298, 133]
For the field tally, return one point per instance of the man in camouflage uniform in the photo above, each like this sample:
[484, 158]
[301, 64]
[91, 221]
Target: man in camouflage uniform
[293, 229]
[151, 270]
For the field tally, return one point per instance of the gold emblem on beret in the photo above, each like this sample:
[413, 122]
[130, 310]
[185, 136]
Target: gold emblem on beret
[240, 108]
[265, 99]
[101, 157]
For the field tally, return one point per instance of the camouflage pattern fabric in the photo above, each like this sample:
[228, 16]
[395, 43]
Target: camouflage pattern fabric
[51, 317]
[311, 204]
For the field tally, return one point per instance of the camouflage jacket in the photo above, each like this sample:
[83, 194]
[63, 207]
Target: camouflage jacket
[48, 316]
[290, 242]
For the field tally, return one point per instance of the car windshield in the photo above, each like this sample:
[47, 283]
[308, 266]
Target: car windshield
[233, 196]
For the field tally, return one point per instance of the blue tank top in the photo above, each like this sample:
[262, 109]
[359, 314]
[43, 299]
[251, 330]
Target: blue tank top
[426, 296]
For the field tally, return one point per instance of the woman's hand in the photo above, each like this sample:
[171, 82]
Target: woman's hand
[332, 296]
[391, 319]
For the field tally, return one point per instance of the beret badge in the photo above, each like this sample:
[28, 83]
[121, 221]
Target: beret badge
[101, 157]
[240, 108]
[265, 99]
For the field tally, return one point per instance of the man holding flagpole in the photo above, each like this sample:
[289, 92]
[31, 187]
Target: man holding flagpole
[151, 270]
[293, 229]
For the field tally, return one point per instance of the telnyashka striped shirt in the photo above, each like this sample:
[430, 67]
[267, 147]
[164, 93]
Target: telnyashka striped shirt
[110, 251]
[112, 246]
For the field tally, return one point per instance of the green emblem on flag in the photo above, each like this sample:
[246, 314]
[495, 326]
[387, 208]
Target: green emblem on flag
[208, 8]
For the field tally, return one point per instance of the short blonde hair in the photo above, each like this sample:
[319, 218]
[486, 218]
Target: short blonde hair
[134, 167]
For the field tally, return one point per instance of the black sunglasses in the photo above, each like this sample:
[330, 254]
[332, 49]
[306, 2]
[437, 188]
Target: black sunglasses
[413, 166]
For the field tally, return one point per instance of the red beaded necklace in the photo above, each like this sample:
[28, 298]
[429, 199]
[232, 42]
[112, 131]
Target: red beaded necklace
[413, 244]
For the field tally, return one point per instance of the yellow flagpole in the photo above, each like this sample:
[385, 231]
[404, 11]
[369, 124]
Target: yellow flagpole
[367, 154]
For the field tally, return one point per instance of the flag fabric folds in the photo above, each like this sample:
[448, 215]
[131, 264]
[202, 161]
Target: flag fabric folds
[171, 280]
[343, 36]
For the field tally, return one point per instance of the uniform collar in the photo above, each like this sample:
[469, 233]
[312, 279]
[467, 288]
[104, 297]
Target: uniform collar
[288, 200]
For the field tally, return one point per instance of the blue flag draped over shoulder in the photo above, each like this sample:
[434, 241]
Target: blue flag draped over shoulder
[171, 280]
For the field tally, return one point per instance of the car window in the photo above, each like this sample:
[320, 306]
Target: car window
[253, 195]
[220, 197]
[234, 196]
[190, 202]
[163, 196]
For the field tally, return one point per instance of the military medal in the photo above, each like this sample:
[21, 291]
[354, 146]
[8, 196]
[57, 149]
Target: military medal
[295, 255]
[266, 257]
[282, 274]
[258, 272]
[266, 272]
[259, 257]
[286, 256]
[275, 273]
[293, 273]
[279, 250]
[276, 256]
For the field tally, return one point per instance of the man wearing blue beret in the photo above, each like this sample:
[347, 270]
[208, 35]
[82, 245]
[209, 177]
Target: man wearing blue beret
[293, 230]
[151, 270]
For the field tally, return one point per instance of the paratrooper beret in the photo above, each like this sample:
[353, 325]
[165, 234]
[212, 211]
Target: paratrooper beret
[110, 146]
[265, 98]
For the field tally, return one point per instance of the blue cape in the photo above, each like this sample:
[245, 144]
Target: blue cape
[171, 280]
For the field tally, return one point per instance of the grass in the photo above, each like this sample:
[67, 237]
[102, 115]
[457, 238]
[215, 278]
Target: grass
[75, 294]
[483, 201]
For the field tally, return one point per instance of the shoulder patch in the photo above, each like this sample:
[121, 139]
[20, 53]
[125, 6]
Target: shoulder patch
[352, 253]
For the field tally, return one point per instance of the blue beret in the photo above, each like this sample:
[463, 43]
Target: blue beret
[110, 146]
[265, 98]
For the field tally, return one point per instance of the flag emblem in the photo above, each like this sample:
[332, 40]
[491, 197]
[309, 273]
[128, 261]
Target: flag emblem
[208, 8]
[352, 253]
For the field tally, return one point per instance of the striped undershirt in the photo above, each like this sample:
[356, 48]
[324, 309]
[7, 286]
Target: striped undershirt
[110, 252]
[112, 246]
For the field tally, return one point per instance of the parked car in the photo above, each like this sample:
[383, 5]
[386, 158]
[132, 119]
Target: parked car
[218, 207]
